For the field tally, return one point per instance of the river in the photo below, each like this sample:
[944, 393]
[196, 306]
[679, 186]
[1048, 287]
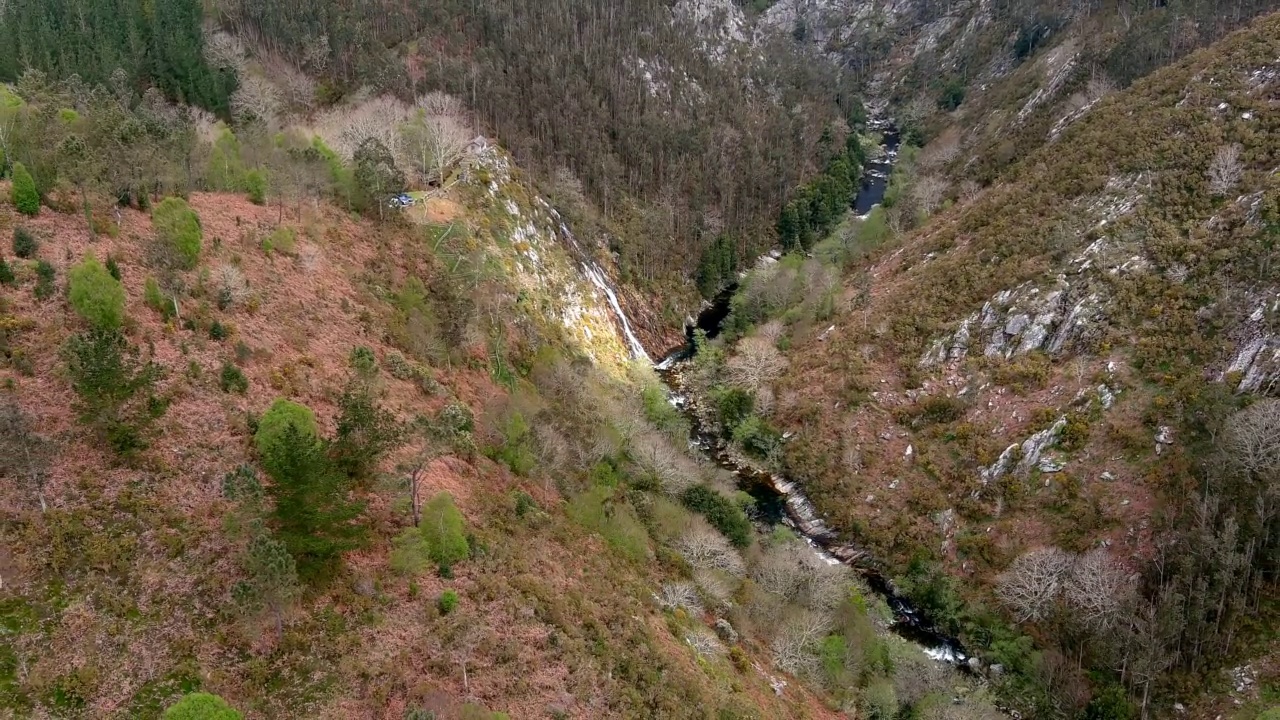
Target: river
[779, 500]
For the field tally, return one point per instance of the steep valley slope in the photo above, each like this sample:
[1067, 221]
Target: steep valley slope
[1052, 368]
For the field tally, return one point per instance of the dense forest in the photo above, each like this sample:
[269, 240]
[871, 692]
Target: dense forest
[157, 45]
[674, 144]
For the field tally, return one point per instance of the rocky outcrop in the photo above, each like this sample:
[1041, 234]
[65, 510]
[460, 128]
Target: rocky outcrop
[1016, 322]
[1021, 459]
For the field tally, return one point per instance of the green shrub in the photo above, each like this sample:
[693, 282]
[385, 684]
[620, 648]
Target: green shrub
[515, 451]
[410, 553]
[448, 602]
[218, 331]
[932, 410]
[156, 300]
[282, 240]
[1024, 373]
[734, 405]
[721, 512]
[6, 272]
[256, 184]
[664, 416]
[1112, 703]
[363, 361]
[880, 701]
[201, 706]
[757, 437]
[113, 267]
[23, 193]
[274, 426]
[178, 227]
[602, 510]
[95, 295]
[25, 244]
[444, 530]
[232, 380]
[45, 276]
[524, 503]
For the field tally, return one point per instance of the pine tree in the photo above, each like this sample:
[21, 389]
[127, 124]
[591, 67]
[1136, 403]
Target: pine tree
[272, 581]
[114, 388]
[23, 193]
[313, 515]
[365, 432]
[6, 272]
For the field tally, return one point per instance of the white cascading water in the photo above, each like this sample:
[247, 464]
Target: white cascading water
[598, 278]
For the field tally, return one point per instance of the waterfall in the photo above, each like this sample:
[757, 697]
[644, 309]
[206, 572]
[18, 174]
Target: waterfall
[600, 279]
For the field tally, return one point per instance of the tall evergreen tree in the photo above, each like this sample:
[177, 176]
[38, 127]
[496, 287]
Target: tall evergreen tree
[314, 516]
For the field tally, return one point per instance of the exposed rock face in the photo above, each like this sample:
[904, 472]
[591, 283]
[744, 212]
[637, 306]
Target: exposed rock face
[545, 261]
[1255, 366]
[1028, 455]
[1016, 322]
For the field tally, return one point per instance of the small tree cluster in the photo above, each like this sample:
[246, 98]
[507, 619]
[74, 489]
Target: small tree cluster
[314, 515]
[1092, 587]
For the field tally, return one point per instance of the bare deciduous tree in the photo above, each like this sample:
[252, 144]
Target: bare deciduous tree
[345, 128]
[716, 585]
[943, 149]
[928, 191]
[1252, 438]
[233, 289]
[782, 570]
[1099, 86]
[297, 89]
[705, 548]
[681, 595]
[795, 646]
[1032, 585]
[1096, 589]
[224, 50]
[757, 363]
[657, 457]
[435, 135]
[1225, 170]
[255, 99]
[704, 642]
